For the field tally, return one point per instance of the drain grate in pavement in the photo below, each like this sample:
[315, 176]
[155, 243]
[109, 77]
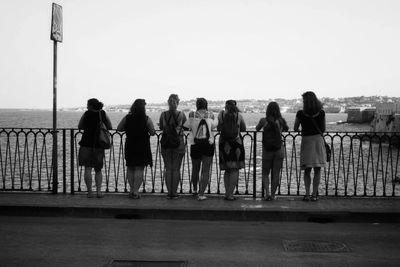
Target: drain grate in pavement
[314, 246]
[135, 263]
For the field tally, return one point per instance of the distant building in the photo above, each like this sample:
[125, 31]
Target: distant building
[360, 114]
[387, 118]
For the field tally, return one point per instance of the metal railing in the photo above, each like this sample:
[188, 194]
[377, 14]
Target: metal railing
[362, 164]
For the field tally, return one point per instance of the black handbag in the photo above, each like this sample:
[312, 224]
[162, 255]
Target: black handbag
[104, 139]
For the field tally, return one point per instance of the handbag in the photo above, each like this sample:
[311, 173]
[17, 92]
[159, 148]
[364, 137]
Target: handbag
[104, 139]
[327, 147]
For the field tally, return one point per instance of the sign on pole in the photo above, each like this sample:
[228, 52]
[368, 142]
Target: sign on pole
[56, 35]
[56, 24]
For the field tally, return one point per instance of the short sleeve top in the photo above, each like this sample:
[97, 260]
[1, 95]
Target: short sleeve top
[194, 120]
[307, 126]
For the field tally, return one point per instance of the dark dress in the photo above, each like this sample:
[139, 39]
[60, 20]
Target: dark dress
[137, 144]
[231, 153]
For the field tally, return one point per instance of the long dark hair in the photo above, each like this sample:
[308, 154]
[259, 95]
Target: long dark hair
[273, 111]
[138, 108]
[311, 104]
[231, 107]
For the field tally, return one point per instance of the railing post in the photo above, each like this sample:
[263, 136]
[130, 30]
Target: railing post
[72, 158]
[55, 162]
[64, 162]
[254, 165]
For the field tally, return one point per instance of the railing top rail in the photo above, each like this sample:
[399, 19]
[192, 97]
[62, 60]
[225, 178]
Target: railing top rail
[215, 131]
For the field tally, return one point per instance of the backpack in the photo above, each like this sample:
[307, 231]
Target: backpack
[230, 128]
[170, 138]
[202, 134]
[272, 140]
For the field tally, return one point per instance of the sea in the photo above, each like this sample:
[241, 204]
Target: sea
[20, 118]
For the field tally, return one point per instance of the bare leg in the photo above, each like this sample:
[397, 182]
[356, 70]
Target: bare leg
[176, 172]
[267, 165]
[234, 177]
[195, 173]
[307, 180]
[88, 180]
[316, 181]
[205, 174]
[129, 177]
[137, 179]
[99, 179]
[167, 157]
[276, 169]
[227, 175]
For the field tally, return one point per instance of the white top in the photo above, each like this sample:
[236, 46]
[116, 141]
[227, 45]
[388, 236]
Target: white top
[194, 120]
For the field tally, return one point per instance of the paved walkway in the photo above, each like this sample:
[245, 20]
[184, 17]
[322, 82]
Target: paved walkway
[67, 241]
[152, 206]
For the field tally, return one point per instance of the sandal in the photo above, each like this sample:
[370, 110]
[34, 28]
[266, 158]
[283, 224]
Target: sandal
[306, 198]
[314, 198]
[134, 196]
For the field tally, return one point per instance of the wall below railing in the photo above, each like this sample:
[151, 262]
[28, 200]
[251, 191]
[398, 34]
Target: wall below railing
[362, 164]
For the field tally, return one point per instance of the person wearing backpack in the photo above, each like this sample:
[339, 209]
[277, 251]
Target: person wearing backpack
[312, 149]
[172, 144]
[91, 153]
[202, 146]
[231, 149]
[273, 151]
[138, 127]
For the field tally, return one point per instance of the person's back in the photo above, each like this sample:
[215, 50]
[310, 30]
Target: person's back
[272, 140]
[230, 126]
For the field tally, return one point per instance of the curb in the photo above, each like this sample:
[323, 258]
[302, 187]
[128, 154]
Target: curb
[202, 214]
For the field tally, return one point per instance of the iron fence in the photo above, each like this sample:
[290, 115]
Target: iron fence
[362, 164]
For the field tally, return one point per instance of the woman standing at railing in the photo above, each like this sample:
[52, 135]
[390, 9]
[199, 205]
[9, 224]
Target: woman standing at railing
[202, 144]
[139, 127]
[272, 154]
[172, 144]
[312, 151]
[231, 149]
[90, 153]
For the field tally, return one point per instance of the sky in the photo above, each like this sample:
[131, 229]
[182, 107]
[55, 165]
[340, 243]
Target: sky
[118, 50]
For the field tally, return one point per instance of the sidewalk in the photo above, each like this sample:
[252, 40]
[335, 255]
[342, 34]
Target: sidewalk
[150, 206]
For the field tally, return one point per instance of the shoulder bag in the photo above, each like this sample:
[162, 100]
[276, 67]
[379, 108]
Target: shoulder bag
[104, 139]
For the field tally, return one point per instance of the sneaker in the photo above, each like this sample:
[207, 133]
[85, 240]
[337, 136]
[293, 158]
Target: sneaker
[200, 198]
[270, 198]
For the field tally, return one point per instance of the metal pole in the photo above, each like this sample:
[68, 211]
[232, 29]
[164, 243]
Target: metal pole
[72, 142]
[55, 143]
[64, 141]
[254, 166]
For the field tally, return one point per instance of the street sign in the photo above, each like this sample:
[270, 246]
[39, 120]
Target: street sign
[56, 24]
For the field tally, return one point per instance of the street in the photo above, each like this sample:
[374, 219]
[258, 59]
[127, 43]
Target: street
[66, 241]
